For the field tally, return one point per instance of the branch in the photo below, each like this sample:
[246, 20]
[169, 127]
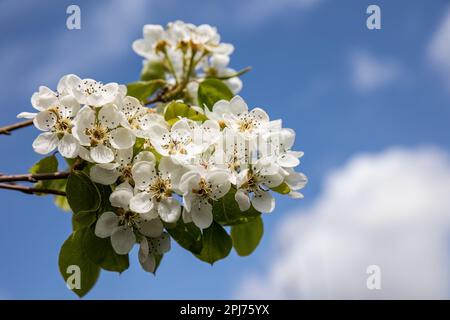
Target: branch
[7, 129]
[34, 177]
[31, 190]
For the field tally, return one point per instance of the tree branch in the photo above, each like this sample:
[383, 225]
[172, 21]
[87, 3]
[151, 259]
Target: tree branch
[7, 129]
[29, 177]
[30, 190]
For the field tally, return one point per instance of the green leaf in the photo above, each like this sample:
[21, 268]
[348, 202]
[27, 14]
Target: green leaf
[141, 90]
[152, 71]
[45, 165]
[226, 211]
[216, 244]
[83, 219]
[247, 236]
[82, 193]
[175, 110]
[101, 252]
[282, 188]
[72, 254]
[212, 90]
[187, 235]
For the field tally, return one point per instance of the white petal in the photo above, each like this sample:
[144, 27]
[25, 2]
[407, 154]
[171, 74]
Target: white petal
[69, 146]
[242, 199]
[145, 156]
[220, 184]
[121, 196]
[287, 160]
[26, 115]
[238, 105]
[122, 138]
[201, 212]
[169, 210]
[45, 142]
[130, 106]
[106, 224]
[44, 99]
[159, 245]
[103, 176]
[141, 203]
[220, 108]
[85, 154]
[148, 263]
[260, 114]
[110, 116]
[45, 120]
[296, 180]
[102, 154]
[122, 240]
[263, 201]
[187, 218]
[144, 173]
[272, 181]
[151, 228]
[69, 107]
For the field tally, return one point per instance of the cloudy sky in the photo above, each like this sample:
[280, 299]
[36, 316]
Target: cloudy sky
[372, 113]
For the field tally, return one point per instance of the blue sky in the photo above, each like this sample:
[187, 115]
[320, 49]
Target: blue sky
[345, 89]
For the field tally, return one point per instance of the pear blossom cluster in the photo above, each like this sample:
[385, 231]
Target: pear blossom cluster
[186, 49]
[162, 172]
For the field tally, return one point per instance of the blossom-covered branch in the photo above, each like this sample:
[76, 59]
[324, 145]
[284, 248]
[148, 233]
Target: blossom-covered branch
[198, 160]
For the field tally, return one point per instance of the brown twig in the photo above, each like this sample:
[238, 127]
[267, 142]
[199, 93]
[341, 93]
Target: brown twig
[29, 177]
[31, 190]
[159, 97]
[7, 129]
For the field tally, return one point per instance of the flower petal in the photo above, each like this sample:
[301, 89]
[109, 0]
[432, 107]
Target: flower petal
[220, 184]
[242, 199]
[263, 201]
[106, 224]
[45, 142]
[144, 173]
[27, 115]
[69, 146]
[287, 160]
[201, 212]
[121, 196]
[103, 176]
[110, 116]
[238, 105]
[122, 138]
[141, 203]
[151, 228]
[102, 154]
[122, 240]
[169, 210]
[45, 120]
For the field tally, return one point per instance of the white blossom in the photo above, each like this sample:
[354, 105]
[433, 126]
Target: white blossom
[123, 225]
[254, 186]
[199, 189]
[155, 189]
[101, 133]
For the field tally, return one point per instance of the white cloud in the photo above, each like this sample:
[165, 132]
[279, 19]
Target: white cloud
[439, 47]
[369, 73]
[390, 209]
